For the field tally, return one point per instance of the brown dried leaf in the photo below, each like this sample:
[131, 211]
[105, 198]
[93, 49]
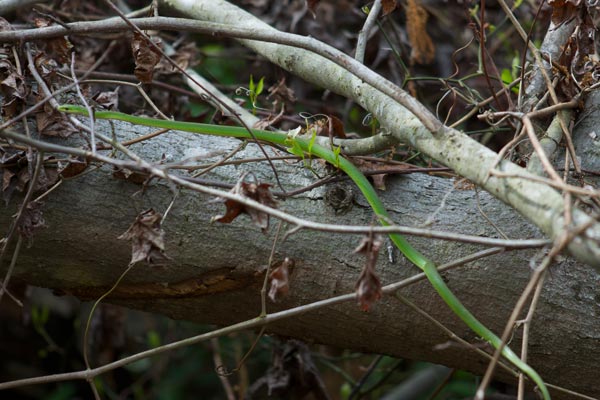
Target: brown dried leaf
[147, 238]
[31, 220]
[12, 87]
[48, 175]
[146, 56]
[259, 192]
[368, 286]
[47, 66]
[74, 167]
[336, 127]
[108, 100]
[60, 47]
[11, 166]
[52, 123]
[130, 176]
[370, 166]
[280, 280]
[15, 170]
[423, 49]
[388, 6]
[563, 10]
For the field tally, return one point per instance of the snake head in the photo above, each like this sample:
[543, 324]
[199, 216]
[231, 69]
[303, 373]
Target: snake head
[72, 109]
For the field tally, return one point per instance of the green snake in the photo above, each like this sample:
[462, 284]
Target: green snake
[427, 266]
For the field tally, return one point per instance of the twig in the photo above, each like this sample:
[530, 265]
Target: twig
[176, 66]
[263, 290]
[216, 350]
[216, 29]
[537, 276]
[363, 35]
[85, 103]
[557, 185]
[526, 325]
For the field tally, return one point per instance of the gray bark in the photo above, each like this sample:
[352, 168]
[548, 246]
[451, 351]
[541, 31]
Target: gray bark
[216, 272]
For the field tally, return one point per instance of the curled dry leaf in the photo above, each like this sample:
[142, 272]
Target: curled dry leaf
[108, 100]
[58, 48]
[12, 87]
[147, 238]
[74, 167]
[52, 123]
[378, 179]
[280, 279]
[423, 49]
[564, 10]
[15, 173]
[146, 56]
[368, 286]
[31, 220]
[128, 175]
[259, 192]
[388, 6]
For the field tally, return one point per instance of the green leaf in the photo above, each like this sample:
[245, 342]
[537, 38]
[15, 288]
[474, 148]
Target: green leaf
[336, 152]
[251, 85]
[293, 147]
[259, 87]
[311, 142]
[297, 150]
[506, 76]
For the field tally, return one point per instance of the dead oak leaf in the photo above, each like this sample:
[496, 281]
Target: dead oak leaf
[564, 10]
[259, 192]
[52, 123]
[368, 286]
[371, 169]
[12, 88]
[423, 49]
[147, 238]
[388, 6]
[108, 100]
[74, 167]
[15, 172]
[146, 56]
[58, 48]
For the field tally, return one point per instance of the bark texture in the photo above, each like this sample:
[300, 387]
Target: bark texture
[217, 269]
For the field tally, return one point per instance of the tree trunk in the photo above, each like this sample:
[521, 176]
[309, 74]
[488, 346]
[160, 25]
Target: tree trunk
[217, 269]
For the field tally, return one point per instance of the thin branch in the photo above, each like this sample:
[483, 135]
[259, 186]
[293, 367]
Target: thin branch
[537, 277]
[363, 35]
[216, 29]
